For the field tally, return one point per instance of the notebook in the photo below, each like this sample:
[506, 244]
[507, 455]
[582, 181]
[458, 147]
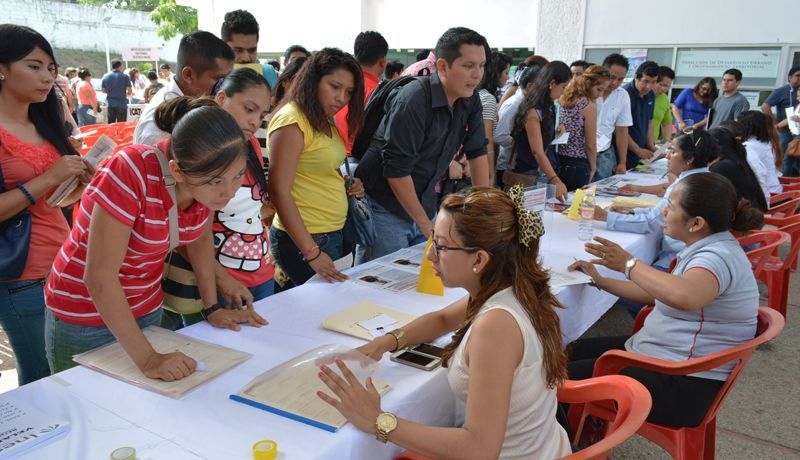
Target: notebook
[23, 428]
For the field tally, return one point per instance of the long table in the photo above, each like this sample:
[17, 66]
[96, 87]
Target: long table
[106, 413]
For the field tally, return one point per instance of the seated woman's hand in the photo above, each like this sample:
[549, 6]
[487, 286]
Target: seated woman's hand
[629, 188]
[359, 404]
[231, 319]
[377, 347]
[609, 254]
[585, 267]
[169, 366]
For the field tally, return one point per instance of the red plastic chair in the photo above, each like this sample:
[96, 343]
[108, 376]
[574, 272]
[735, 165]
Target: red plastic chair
[784, 204]
[767, 242]
[693, 442]
[791, 187]
[789, 180]
[775, 272]
[633, 404]
[784, 224]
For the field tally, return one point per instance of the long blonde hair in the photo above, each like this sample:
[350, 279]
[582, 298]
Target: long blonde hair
[581, 87]
[486, 218]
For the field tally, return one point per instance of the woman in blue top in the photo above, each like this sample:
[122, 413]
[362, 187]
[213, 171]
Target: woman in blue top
[708, 303]
[693, 104]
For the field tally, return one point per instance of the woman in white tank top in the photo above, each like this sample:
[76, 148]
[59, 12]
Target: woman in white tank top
[487, 243]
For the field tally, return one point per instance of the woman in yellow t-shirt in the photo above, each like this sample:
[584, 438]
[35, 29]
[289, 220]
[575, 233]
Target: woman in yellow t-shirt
[305, 154]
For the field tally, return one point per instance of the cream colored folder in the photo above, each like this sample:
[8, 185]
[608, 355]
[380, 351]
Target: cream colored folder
[346, 321]
[634, 202]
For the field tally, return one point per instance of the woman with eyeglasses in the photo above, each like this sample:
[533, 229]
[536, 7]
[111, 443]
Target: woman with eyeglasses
[706, 304]
[689, 154]
[106, 280]
[693, 104]
[486, 242]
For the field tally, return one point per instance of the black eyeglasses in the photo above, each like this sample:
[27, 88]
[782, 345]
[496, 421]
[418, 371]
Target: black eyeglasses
[437, 248]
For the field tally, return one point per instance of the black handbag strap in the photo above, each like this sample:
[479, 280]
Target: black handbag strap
[346, 167]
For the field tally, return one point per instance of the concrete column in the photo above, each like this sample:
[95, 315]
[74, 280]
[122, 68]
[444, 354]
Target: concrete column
[561, 24]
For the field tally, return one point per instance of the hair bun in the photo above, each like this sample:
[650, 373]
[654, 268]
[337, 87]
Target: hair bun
[746, 217]
[171, 111]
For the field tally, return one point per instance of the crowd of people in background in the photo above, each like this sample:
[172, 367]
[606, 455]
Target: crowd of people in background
[258, 198]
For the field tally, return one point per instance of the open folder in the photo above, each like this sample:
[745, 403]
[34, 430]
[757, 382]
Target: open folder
[347, 321]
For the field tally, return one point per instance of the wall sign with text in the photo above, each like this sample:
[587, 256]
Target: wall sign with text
[753, 63]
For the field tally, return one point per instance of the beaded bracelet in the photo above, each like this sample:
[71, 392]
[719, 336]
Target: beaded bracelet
[27, 194]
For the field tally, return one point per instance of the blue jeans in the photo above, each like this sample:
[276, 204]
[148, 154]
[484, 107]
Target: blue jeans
[287, 255]
[64, 340]
[22, 318]
[606, 162]
[791, 166]
[573, 171]
[83, 115]
[394, 233]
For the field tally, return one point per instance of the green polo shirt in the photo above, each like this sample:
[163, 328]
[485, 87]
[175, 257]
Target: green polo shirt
[661, 113]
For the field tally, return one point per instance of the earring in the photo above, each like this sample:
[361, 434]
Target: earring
[2, 77]
[691, 230]
[474, 269]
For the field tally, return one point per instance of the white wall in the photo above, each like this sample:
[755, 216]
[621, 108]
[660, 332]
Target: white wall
[712, 22]
[67, 25]
[404, 23]
[560, 32]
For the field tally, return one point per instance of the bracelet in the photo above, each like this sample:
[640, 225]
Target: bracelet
[315, 257]
[308, 253]
[206, 312]
[27, 194]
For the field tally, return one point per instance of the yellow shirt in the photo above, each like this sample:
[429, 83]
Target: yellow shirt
[318, 189]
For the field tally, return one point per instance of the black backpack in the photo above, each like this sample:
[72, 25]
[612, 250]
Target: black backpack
[375, 110]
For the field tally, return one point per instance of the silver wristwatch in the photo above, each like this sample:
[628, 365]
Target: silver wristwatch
[629, 266]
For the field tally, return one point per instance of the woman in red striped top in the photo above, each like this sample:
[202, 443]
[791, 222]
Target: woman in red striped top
[105, 282]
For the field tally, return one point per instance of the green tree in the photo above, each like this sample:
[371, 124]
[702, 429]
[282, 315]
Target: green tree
[170, 18]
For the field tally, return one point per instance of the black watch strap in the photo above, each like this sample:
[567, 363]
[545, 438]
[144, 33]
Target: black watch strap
[206, 312]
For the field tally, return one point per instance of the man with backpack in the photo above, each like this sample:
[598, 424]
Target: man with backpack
[424, 124]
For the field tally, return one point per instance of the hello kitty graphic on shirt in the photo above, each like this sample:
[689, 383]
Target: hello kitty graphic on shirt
[241, 244]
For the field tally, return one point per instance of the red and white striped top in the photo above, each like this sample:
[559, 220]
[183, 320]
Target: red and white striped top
[129, 187]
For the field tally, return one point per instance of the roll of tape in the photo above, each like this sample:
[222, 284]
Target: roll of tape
[265, 450]
[123, 453]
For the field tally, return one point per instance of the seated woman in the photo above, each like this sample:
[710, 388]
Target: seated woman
[689, 154]
[731, 162]
[761, 141]
[707, 304]
[106, 279]
[510, 397]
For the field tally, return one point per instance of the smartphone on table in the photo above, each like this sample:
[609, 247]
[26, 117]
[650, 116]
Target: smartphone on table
[416, 359]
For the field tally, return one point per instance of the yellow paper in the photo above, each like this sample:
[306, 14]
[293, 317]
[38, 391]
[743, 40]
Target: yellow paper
[574, 212]
[428, 282]
[634, 202]
[346, 321]
[259, 68]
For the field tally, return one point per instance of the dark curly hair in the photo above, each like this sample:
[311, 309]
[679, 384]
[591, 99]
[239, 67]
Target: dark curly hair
[305, 88]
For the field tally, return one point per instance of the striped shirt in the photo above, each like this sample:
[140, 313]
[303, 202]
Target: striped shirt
[129, 187]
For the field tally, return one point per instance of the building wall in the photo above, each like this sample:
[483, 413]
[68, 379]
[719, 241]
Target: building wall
[67, 25]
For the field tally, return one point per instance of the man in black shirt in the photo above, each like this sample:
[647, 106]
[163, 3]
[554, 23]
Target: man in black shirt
[419, 135]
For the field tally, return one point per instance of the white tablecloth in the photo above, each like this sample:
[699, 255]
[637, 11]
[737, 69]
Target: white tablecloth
[106, 413]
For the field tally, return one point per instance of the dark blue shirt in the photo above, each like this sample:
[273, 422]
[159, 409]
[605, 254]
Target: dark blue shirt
[407, 143]
[116, 85]
[782, 98]
[641, 114]
[524, 159]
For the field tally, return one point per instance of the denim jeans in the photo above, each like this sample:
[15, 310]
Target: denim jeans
[117, 114]
[573, 171]
[287, 255]
[64, 340]
[394, 233]
[83, 115]
[791, 166]
[22, 318]
[606, 162]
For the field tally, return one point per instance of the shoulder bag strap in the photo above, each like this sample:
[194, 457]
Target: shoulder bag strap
[169, 182]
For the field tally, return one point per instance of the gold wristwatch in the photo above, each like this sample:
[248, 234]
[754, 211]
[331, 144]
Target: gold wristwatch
[402, 341]
[385, 424]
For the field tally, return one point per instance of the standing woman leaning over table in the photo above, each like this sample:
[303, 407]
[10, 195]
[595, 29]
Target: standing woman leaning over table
[36, 155]
[305, 153]
[534, 129]
[106, 280]
[505, 359]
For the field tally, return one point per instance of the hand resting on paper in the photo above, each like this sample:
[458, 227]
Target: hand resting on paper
[359, 404]
[231, 319]
[169, 366]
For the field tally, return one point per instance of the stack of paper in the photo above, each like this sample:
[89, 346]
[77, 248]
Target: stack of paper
[23, 428]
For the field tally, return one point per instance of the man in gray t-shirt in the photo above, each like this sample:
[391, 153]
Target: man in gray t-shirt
[731, 103]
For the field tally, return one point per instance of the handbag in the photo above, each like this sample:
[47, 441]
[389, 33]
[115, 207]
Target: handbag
[359, 228]
[15, 240]
[793, 148]
[179, 284]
